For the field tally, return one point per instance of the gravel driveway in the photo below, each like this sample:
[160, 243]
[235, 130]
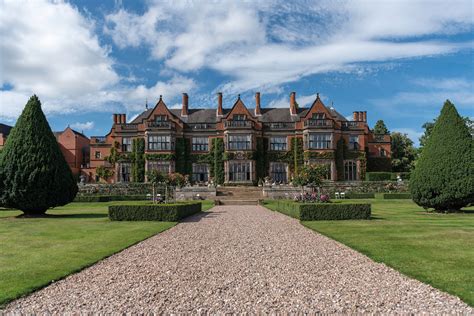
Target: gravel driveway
[239, 259]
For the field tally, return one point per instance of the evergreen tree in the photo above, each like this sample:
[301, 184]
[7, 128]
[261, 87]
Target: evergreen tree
[428, 126]
[380, 128]
[403, 153]
[443, 178]
[34, 175]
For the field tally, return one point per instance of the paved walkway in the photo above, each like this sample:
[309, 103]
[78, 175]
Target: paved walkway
[239, 259]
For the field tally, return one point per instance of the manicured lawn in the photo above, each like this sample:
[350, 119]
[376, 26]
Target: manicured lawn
[35, 251]
[434, 248]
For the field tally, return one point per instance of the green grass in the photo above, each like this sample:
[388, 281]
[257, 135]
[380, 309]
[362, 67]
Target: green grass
[35, 251]
[434, 248]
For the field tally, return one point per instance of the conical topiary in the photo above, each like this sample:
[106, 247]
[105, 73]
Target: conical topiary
[443, 178]
[34, 175]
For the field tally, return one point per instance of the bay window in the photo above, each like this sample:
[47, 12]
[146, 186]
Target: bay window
[240, 142]
[320, 141]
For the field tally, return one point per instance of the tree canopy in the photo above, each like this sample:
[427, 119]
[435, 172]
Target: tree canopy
[380, 128]
[403, 153]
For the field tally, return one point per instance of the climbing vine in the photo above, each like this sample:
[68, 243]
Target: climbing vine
[218, 168]
[183, 164]
[138, 160]
[315, 155]
[160, 157]
[261, 158]
[340, 150]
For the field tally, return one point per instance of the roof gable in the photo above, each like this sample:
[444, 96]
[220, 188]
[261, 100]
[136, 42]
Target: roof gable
[161, 109]
[318, 107]
[239, 108]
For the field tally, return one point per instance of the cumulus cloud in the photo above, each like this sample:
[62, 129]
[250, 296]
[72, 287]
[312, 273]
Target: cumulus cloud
[84, 126]
[56, 54]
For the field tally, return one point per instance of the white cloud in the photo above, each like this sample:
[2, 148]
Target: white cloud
[427, 96]
[53, 52]
[265, 44]
[56, 54]
[83, 126]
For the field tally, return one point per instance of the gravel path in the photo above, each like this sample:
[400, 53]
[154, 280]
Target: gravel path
[239, 259]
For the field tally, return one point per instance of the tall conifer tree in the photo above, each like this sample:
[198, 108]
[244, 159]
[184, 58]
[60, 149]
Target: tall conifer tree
[34, 175]
[443, 178]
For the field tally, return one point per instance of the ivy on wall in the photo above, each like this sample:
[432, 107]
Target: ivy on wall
[298, 154]
[249, 155]
[315, 155]
[260, 157]
[138, 160]
[183, 164]
[160, 157]
[340, 151]
[218, 151]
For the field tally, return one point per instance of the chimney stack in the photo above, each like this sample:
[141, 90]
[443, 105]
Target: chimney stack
[123, 119]
[220, 111]
[365, 116]
[115, 118]
[355, 116]
[184, 109]
[258, 111]
[293, 110]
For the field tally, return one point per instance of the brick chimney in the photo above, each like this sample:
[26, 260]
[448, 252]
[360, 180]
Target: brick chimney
[115, 118]
[293, 110]
[355, 116]
[364, 116]
[220, 111]
[258, 111]
[184, 109]
[124, 118]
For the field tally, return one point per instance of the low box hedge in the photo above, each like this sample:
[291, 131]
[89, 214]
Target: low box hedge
[324, 211]
[378, 176]
[393, 196]
[154, 212]
[108, 198]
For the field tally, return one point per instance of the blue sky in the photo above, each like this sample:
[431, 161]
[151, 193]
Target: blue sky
[398, 60]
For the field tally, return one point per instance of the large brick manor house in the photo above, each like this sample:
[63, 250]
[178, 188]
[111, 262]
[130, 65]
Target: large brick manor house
[239, 144]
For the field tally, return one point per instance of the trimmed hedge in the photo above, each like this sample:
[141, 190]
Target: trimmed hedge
[393, 196]
[157, 212]
[354, 195]
[108, 198]
[324, 211]
[378, 176]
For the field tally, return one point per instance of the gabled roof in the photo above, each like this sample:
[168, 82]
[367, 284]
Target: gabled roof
[56, 134]
[5, 129]
[240, 104]
[208, 115]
